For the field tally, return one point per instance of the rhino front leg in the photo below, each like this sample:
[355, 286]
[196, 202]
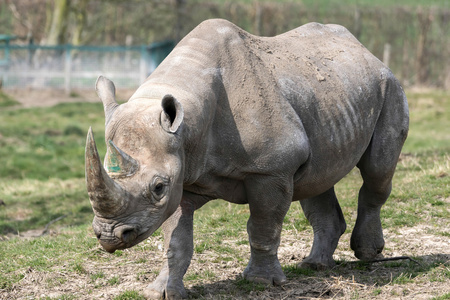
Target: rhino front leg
[269, 202]
[325, 215]
[178, 244]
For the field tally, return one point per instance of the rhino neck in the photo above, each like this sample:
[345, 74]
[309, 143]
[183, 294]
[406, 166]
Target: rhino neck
[194, 74]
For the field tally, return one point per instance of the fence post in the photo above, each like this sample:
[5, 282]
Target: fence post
[67, 68]
[143, 71]
[387, 54]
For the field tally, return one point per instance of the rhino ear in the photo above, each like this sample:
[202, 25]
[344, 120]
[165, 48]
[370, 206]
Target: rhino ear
[172, 114]
[106, 91]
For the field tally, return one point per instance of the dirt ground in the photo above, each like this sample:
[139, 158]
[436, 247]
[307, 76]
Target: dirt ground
[346, 281]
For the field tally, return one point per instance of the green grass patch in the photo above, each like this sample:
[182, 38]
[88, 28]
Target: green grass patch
[97, 275]
[43, 143]
[249, 286]
[130, 295]
[292, 271]
[443, 297]
[6, 100]
[114, 280]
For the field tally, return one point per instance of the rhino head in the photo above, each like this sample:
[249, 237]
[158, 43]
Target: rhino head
[141, 182]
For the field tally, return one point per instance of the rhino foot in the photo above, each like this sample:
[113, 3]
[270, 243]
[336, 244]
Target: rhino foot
[367, 237]
[159, 289]
[366, 253]
[153, 294]
[309, 263]
[269, 273]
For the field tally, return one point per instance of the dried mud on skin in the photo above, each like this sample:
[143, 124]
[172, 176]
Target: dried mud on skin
[345, 281]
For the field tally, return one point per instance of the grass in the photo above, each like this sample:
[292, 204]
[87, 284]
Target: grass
[6, 100]
[42, 179]
[47, 143]
[129, 295]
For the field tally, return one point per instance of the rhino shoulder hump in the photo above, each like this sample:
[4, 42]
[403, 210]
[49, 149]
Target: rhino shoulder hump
[315, 29]
[217, 26]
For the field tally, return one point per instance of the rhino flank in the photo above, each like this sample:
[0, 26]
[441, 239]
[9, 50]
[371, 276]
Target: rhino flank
[262, 121]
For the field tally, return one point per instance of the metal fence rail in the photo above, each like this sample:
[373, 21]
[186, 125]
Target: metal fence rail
[67, 67]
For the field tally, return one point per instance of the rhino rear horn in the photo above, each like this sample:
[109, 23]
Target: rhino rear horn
[118, 163]
[107, 197]
[106, 91]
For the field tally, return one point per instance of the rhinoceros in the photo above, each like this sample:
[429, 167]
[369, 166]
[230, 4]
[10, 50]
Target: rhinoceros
[262, 121]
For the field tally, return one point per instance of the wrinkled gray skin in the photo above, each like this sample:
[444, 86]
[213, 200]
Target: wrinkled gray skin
[251, 120]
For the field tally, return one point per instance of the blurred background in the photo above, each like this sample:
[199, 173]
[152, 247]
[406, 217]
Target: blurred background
[65, 44]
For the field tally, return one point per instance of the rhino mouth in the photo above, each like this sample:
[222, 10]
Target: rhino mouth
[118, 236]
[111, 245]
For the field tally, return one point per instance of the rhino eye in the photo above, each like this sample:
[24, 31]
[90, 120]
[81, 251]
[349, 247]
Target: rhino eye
[158, 188]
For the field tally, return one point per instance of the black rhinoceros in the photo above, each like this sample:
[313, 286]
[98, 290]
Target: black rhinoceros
[262, 121]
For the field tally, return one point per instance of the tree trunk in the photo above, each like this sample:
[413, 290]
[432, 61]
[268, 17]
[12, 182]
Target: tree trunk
[80, 18]
[425, 18]
[58, 27]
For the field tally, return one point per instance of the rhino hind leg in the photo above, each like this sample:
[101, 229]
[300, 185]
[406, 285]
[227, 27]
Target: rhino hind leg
[178, 244]
[325, 215]
[367, 237]
[377, 167]
[268, 205]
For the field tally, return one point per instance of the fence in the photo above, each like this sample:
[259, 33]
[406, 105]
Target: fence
[67, 66]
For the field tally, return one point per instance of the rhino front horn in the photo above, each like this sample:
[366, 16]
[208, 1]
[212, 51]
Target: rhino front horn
[107, 197]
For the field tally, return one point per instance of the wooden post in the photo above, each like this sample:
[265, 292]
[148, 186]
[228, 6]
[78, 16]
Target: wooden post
[387, 54]
[257, 21]
[67, 68]
[143, 70]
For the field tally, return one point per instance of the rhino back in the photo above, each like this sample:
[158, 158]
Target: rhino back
[315, 87]
[308, 99]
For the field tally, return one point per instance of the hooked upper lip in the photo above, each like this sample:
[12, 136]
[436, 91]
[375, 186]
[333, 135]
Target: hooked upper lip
[113, 235]
[121, 238]
[111, 245]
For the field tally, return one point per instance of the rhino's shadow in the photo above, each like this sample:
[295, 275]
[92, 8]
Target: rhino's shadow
[323, 284]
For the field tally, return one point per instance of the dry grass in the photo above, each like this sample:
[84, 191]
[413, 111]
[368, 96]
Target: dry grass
[90, 278]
